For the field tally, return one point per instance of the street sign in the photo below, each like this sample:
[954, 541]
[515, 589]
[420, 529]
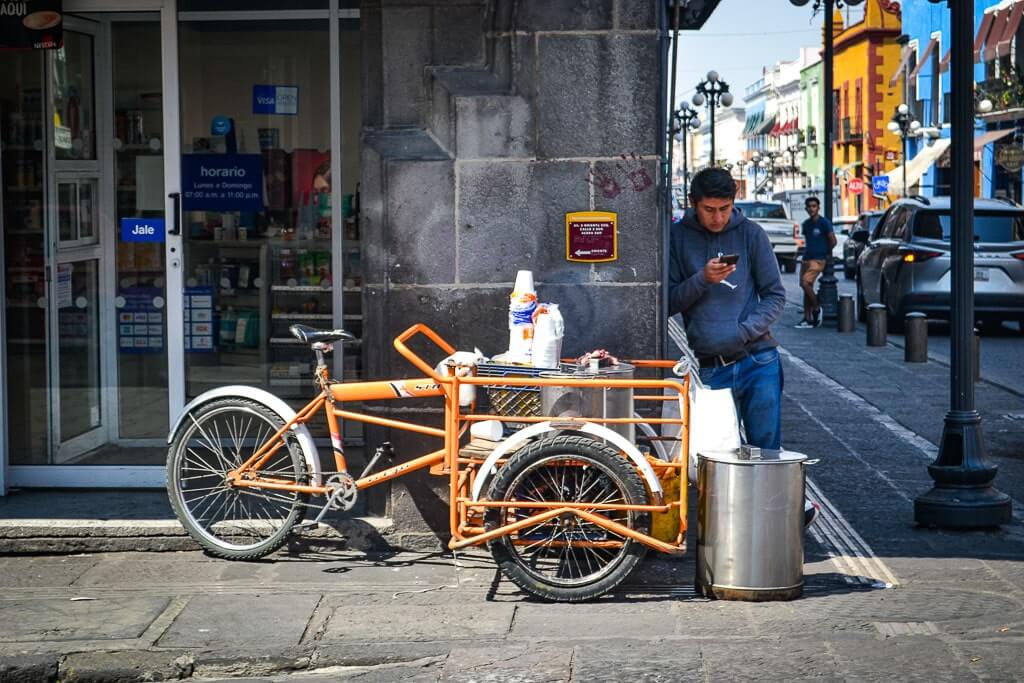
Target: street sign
[590, 236]
[855, 185]
[879, 184]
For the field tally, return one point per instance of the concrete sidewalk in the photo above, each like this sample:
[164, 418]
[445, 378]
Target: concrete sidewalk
[885, 600]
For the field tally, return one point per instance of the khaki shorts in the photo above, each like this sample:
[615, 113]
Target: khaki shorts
[810, 270]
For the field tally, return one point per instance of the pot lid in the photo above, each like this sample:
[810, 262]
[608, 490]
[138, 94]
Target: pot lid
[750, 455]
[607, 372]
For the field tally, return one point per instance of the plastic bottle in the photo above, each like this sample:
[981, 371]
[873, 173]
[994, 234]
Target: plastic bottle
[549, 329]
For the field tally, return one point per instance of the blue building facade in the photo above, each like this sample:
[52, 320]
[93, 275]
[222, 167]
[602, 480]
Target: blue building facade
[999, 75]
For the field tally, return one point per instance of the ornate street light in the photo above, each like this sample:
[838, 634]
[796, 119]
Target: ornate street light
[684, 120]
[756, 161]
[828, 285]
[793, 151]
[963, 496]
[904, 125]
[773, 160]
[714, 92]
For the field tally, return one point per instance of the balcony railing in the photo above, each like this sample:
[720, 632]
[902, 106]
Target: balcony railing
[850, 130]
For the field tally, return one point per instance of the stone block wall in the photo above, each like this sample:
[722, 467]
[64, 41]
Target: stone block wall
[485, 121]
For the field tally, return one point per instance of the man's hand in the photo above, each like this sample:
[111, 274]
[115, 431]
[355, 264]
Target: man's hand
[715, 271]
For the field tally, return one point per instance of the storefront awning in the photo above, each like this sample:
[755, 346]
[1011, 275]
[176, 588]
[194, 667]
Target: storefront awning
[753, 122]
[1005, 22]
[766, 127]
[777, 129]
[1010, 31]
[905, 54]
[988, 138]
[983, 31]
[933, 45]
[917, 166]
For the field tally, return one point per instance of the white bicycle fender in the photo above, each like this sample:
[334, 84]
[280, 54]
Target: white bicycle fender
[272, 403]
[600, 431]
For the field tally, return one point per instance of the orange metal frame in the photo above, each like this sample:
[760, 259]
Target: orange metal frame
[465, 513]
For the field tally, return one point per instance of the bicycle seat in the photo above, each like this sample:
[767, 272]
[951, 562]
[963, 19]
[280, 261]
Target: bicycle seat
[311, 335]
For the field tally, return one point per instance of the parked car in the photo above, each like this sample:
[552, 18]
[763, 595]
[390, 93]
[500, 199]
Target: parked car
[843, 226]
[782, 231]
[852, 247]
[905, 264]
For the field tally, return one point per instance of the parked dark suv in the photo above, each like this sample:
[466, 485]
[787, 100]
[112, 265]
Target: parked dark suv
[905, 263]
[852, 247]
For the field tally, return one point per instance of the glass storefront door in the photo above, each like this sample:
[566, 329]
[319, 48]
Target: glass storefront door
[82, 152]
[165, 219]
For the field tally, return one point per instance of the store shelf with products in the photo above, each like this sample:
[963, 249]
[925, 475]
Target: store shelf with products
[226, 312]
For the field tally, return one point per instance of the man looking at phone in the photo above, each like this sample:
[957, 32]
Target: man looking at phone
[820, 239]
[724, 280]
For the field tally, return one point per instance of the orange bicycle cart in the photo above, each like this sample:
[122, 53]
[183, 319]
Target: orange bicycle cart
[566, 505]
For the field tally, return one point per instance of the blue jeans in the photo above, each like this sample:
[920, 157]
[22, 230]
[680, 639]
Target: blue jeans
[756, 383]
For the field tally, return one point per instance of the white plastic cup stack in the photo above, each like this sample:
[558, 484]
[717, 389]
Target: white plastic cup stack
[522, 305]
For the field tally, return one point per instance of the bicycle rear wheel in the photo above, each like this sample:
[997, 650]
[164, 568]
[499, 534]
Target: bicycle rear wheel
[238, 523]
[567, 558]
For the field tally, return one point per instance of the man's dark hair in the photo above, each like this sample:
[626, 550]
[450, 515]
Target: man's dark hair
[712, 183]
[808, 201]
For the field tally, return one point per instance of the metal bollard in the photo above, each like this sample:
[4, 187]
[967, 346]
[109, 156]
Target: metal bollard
[877, 325]
[976, 354]
[846, 323]
[916, 348]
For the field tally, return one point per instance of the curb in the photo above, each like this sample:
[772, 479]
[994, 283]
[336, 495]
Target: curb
[71, 536]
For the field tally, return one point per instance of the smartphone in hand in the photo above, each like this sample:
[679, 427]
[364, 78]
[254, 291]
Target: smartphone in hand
[729, 259]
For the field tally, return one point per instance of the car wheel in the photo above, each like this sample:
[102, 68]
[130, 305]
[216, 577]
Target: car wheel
[849, 273]
[789, 265]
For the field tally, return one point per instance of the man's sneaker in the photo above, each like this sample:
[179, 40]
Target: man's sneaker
[811, 511]
[805, 325]
[817, 318]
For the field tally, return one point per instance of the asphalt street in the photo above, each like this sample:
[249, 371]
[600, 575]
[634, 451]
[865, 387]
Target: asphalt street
[1000, 362]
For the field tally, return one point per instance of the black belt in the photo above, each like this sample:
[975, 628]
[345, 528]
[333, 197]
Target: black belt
[720, 361]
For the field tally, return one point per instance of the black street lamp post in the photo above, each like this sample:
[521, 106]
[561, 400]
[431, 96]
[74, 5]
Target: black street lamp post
[773, 160]
[793, 151]
[963, 495]
[685, 119]
[756, 161]
[828, 286]
[904, 125]
[713, 91]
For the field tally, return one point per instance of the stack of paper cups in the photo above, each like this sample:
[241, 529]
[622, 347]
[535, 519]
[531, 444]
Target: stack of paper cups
[522, 304]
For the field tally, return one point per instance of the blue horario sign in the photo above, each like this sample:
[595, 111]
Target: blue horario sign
[222, 182]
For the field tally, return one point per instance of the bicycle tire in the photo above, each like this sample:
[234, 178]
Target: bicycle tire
[522, 477]
[198, 464]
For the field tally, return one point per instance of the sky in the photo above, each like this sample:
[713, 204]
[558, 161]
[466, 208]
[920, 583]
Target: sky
[743, 36]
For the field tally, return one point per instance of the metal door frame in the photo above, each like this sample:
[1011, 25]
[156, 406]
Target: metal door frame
[94, 476]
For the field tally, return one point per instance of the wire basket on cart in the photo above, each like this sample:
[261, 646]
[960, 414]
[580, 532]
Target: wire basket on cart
[514, 401]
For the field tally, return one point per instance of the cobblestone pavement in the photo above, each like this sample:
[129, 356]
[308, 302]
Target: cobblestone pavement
[884, 600]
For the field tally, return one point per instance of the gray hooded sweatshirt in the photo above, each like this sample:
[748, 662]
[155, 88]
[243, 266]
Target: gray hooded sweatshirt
[718, 318]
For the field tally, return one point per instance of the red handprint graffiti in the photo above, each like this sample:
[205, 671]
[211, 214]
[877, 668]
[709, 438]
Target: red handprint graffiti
[605, 183]
[636, 172]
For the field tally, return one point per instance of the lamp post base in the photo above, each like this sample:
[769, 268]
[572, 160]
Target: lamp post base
[963, 496]
[828, 293]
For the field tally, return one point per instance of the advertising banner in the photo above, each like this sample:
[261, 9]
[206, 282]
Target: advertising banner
[31, 24]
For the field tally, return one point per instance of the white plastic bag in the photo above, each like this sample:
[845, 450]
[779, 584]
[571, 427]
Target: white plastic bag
[714, 424]
[547, 336]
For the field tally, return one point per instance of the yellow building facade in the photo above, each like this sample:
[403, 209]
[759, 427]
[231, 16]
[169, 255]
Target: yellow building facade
[866, 53]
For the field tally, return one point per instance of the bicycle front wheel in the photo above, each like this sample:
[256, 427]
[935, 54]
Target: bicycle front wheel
[237, 523]
[567, 558]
